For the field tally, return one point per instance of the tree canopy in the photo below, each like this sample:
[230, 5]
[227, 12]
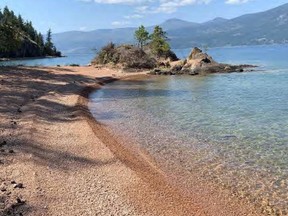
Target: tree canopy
[142, 36]
[18, 38]
[159, 44]
[156, 42]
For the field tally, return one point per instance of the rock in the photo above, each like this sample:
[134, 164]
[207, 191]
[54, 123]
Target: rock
[177, 65]
[227, 68]
[3, 143]
[3, 189]
[206, 60]
[19, 110]
[19, 185]
[19, 202]
[193, 72]
[197, 54]
[199, 63]
[11, 151]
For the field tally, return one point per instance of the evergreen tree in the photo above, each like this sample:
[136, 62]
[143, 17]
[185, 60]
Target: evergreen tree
[142, 36]
[18, 38]
[49, 46]
[159, 44]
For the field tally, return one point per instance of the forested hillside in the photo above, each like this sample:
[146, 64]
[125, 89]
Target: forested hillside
[19, 39]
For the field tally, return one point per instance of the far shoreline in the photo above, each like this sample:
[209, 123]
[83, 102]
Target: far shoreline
[29, 58]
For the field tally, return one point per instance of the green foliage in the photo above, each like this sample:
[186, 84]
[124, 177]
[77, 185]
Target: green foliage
[127, 56]
[18, 38]
[143, 56]
[107, 54]
[142, 36]
[9, 40]
[49, 48]
[158, 43]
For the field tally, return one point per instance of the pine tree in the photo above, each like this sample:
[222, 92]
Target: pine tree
[18, 38]
[159, 44]
[49, 46]
[142, 36]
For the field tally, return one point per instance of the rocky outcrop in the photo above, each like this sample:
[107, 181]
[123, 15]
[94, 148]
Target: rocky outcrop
[199, 63]
[125, 57]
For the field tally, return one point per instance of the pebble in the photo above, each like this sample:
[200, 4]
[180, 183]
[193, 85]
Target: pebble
[20, 201]
[3, 143]
[11, 151]
[19, 185]
[2, 205]
[3, 189]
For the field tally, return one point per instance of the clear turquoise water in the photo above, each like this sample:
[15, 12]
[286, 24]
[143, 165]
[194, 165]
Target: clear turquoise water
[229, 128]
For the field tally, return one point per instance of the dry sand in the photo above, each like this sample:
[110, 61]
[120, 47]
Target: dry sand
[57, 160]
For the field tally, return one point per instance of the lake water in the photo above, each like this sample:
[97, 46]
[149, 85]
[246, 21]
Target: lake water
[80, 59]
[231, 129]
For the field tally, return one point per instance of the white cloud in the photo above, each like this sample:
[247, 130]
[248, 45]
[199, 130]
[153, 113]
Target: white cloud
[141, 9]
[167, 6]
[236, 1]
[153, 6]
[127, 2]
[120, 23]
[134, 16]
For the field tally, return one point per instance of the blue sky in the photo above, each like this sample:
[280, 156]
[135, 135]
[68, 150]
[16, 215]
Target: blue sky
[85, 15]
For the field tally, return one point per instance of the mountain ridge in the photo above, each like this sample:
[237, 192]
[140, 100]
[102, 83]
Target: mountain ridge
[267, 27]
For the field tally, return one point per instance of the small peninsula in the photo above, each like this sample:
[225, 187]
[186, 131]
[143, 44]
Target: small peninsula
[153, 53]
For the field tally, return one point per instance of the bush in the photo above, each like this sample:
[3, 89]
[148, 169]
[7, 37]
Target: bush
[107, 55]
[127, 56]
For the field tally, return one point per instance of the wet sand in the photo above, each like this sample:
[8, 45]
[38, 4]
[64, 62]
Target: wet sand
[57, 160]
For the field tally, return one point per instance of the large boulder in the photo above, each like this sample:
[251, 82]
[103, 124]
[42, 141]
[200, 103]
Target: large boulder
[198, 62]
[201, 63]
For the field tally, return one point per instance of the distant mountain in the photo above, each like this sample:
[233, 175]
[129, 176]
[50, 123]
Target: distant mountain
[267, 27]
[216, 20]
[173, 24]
[78, 42]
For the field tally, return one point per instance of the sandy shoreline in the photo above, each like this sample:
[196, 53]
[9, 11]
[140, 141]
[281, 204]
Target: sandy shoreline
[68, 164]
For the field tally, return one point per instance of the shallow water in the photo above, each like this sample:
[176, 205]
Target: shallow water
[229, 128]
